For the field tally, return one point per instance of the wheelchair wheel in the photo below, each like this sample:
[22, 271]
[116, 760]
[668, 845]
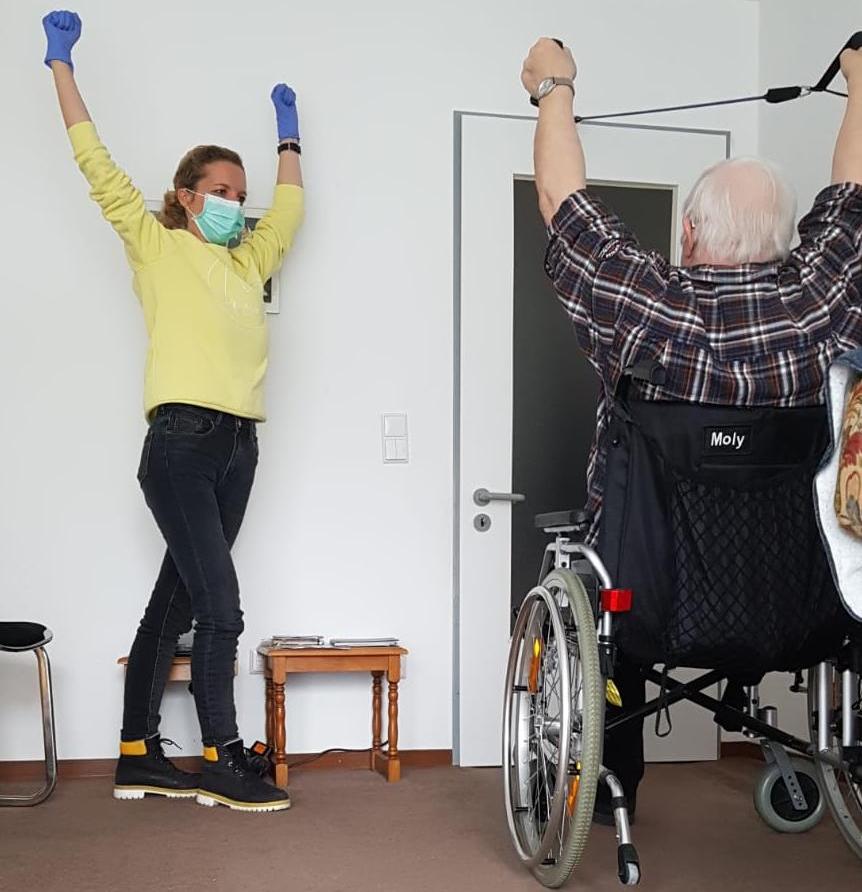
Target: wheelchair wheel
[775, 805]
[841, 790]
[552, 727]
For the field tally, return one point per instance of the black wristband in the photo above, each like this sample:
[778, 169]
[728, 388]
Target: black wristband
[289, 147]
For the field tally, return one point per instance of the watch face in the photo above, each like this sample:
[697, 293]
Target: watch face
[545, 87]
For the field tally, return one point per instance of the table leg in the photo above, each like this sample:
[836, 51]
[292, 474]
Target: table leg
[386, 762]
[376, 710]
[280, 755]
[270, 733]
[393, 761]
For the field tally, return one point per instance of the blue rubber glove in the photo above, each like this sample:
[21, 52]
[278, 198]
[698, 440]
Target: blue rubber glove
[62, 29]
[284, 100]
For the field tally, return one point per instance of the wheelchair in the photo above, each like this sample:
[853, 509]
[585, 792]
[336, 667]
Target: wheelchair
[708, 557]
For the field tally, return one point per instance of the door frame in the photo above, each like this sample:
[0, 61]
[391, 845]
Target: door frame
[457, 173]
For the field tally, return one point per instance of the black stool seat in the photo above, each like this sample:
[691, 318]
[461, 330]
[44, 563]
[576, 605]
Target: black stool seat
[580, 517]
[23, 636]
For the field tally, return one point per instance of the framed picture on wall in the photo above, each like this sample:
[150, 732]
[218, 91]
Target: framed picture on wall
[252, 217]
[270, 287]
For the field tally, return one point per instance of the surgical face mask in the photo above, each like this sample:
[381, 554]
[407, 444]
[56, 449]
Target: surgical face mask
[221, 220]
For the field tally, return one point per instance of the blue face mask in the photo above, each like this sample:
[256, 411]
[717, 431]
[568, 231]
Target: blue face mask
[221, 220]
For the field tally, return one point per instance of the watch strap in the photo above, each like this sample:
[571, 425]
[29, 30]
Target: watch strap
[557, 82]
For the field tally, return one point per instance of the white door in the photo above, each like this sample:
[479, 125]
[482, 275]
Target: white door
[494, 152]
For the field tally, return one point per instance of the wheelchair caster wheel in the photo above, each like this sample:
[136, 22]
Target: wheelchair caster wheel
[629, 865]
[633, 875]
[774, 804]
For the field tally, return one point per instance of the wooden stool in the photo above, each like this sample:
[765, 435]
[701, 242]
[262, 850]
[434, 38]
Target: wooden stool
[181, 668]
[376, 660]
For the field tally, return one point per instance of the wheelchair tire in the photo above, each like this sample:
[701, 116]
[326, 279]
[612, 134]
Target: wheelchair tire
[773, 803]
[843, 793]
[550, 811]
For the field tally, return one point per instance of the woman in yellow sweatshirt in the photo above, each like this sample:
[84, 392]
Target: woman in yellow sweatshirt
[202, 297]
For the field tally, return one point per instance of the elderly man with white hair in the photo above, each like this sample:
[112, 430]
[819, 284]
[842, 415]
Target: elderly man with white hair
[744, 321]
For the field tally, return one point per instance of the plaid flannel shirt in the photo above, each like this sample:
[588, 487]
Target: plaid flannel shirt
[748, 335]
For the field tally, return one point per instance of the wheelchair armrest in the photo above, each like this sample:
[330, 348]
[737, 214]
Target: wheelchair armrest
[577, 519]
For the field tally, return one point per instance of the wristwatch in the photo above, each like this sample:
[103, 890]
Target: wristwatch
[548, 84]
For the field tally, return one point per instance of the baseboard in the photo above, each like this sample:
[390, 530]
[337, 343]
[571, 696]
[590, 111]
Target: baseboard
[740, 749]
[69, 769]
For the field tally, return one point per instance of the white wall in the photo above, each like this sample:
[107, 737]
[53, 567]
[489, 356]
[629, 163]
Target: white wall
[334, 542]
[797, 41]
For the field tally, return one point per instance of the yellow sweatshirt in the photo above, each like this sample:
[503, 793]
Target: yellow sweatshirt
[203, 303]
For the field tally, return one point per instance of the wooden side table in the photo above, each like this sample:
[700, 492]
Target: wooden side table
[376, 660]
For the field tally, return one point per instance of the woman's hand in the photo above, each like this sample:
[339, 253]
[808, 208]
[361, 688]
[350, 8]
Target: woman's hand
[284, 100]
[62, 28]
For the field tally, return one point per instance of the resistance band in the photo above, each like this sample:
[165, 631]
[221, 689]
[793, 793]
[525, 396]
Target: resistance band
[773, 95]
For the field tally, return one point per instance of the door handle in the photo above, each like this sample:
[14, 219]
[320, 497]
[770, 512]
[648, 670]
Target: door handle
[483, 497]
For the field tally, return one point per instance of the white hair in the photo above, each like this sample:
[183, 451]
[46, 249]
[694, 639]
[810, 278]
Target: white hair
[743, 211]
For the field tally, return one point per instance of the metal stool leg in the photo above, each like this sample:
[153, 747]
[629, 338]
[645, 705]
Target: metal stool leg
[46, 694]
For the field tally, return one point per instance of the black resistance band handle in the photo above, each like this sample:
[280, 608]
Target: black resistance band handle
[854, 43]
[782, 94]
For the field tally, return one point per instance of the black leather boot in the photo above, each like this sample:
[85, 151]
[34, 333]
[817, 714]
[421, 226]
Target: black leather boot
[143, 768]
[230, 778]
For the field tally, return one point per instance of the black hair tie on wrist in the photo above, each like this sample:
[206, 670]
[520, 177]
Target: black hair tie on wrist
[289, 147]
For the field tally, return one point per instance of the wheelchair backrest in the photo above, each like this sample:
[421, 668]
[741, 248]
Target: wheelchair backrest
[733, 445]
[708, 516]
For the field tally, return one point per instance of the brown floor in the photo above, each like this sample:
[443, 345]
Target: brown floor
[439, 829]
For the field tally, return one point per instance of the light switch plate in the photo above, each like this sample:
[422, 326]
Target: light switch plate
[395, 439]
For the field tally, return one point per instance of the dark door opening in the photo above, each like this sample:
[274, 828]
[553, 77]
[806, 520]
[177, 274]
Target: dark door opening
[554, 387]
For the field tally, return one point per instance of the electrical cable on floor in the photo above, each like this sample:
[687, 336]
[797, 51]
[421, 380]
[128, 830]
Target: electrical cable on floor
[335, 749]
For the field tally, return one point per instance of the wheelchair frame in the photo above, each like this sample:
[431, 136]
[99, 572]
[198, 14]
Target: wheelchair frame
[553, 857]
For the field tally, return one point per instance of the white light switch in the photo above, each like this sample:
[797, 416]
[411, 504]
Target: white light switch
[394, 425]
[395, 446]
[390, 452]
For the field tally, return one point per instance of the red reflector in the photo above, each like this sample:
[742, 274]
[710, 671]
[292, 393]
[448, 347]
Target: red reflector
[616, 600]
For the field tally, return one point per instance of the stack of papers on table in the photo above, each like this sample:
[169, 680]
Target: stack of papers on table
[289, 642]
[363, 642]
[297, 642]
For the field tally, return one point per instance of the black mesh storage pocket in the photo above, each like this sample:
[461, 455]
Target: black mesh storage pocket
[750, 593]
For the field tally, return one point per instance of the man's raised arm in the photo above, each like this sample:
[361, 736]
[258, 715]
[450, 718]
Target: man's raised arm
[557, 154]
[847, 160]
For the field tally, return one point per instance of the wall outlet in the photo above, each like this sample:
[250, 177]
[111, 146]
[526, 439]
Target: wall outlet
[256, 662]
